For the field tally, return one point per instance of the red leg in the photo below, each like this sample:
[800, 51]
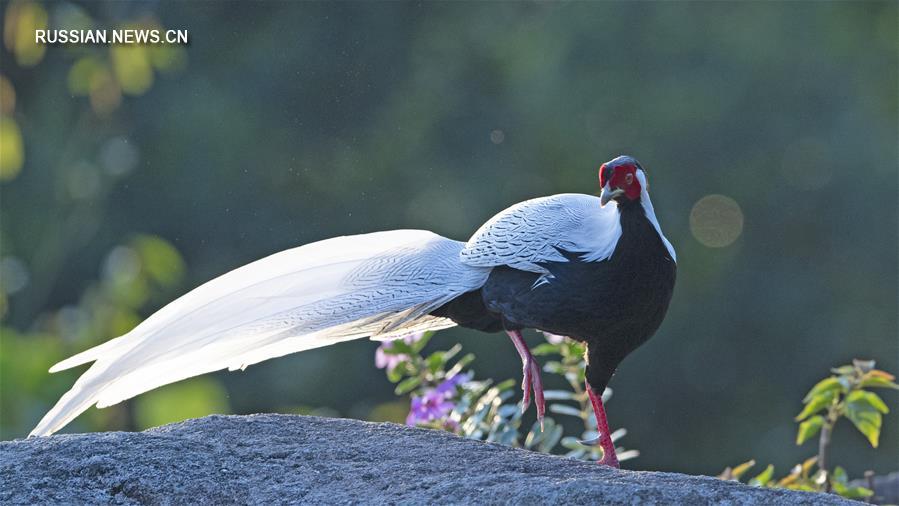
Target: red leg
[609, 458]
[531, 374]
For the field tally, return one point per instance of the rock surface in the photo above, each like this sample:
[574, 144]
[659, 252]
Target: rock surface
[280, 459]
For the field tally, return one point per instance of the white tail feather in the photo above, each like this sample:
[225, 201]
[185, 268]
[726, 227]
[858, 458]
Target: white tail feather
[380, 285]
[86, 356]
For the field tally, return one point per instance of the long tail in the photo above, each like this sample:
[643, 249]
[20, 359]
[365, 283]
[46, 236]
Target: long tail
[380, 285]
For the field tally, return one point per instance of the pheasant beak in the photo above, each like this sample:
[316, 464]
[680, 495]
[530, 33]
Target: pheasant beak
[608, 194]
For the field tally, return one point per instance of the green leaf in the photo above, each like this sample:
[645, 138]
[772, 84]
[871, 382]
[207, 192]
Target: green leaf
[395, 374]
[804, 486]
[508, 411]
[505, 385]
[558, 395]
[857, 492]
[787, 480]
[842, 489]
[828, 384]
[572, 443]
[878, 382]
[398, 347]
[627, 455]
[807, 464]
[552, 437]
[576, 348]
[875, 401]
[564, 409]
[741, 469]
[809, 428]
[419, 345]
[545, 349]
[554, 367]
[452, 352]
[438, 359]
[816, 403]
[864, 412]
[407, 385]
[845, 383]
[839, 475]
[764, 477]
[435, 361]
[461, 364]
[843, 370]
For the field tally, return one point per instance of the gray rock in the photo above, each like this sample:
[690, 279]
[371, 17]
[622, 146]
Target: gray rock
[282, 459]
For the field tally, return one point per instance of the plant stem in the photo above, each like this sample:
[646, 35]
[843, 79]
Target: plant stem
[824, 442]
[824, 445]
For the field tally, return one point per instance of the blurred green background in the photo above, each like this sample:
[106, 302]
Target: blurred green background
[131, 174]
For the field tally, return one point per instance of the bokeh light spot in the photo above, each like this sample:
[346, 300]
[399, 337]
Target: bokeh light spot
[497, 136]
[7, 96]
[118, 156]
[13, 275]
[167, 58]
[12, 149]
[81, 75]
[122, 265]
[20, 23]
[105, 94]
[716, 221]
[132, 68]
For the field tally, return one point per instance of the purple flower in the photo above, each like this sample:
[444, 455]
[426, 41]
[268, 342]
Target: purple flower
[436, 403]
[448, 386]
[389, 360]
[432, 406]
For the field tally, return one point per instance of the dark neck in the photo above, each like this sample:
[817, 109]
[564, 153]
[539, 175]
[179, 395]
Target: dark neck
[632, 215]
[645, 275]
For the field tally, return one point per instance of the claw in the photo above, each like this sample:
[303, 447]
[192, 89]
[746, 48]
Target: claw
[531, 377]
[526, 388]
[537, 383]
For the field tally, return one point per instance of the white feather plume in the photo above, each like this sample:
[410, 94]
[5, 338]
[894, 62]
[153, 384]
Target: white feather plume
[381, 285]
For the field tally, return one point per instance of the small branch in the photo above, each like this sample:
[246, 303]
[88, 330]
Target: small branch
[823, 448]
[824, 442]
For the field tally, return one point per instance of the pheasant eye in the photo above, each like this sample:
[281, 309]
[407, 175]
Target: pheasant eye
[629, 178]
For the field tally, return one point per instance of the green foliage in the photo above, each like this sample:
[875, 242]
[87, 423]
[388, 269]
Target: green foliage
[75, 167]
[844, 394]
[191, 398]
[445, 395]
[809, 428]
[136, 276]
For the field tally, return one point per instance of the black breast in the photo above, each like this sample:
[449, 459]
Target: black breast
[614, 305]
[621, 299]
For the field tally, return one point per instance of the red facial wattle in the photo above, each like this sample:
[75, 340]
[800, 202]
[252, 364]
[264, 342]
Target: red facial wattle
[623, 177]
